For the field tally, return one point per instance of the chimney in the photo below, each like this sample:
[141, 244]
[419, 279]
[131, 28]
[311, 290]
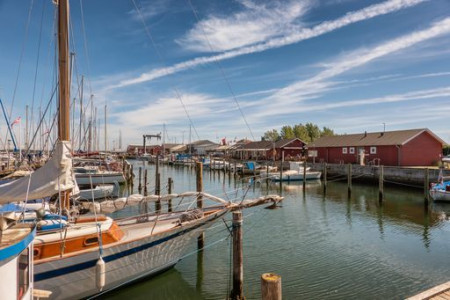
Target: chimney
[365, 133]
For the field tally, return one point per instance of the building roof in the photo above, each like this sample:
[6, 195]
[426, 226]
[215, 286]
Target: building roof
[267, 145]
[387, 138]
[203, 143]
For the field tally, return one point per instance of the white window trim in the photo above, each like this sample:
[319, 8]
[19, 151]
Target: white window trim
[352, 150]
[373, 150]
[344, 150]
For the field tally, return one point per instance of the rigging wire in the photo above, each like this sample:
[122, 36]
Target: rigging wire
[227, 81]
[86, 53]
[149, 35]
[37, 68]
[27, 27]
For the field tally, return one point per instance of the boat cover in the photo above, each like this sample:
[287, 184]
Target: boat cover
[56, 175]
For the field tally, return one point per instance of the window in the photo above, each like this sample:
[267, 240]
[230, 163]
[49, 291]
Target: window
[352, 150]
[373, 150]
[344, 150]
[23, 273]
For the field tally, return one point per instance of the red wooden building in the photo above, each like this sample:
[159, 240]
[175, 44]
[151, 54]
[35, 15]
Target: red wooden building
[414, 147]
[267, 150]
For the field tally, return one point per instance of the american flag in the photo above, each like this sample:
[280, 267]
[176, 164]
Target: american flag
[16, 121]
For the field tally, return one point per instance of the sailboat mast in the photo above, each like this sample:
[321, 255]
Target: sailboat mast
[63, 62]
[64, 86]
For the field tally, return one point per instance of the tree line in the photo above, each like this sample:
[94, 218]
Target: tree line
[307, 133]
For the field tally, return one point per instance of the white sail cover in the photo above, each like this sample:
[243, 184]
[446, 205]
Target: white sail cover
[56, 175]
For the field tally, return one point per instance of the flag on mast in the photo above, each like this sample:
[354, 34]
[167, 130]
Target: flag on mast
[16, 121]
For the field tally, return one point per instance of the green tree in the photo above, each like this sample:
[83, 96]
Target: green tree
[287, 132]
[271, 135]
[301, 133]
[326, 132]
[313, 131]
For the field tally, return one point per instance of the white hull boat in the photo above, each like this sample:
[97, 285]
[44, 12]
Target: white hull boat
[295, 176]
[144, 250]
[99, 192]
[99, 178]
[16, 259]
[440, 191]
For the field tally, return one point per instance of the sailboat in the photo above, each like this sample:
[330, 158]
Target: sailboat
[16, 248]
[82, 256]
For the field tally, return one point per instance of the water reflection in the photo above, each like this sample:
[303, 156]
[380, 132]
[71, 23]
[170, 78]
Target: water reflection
[325, 245]
[168, 285]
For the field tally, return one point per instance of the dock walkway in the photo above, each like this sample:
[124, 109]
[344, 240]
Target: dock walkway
[441, 292]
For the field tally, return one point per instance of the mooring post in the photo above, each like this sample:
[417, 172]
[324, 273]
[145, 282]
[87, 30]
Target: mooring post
[270, 286]
[324, 178]
[235, 169]
[349, 180]
[145, 182]
[238, 258]
[381, 184]
[157, 185]
[140, 180]
[426, 184]
[169, 191]
[199, 181]
[132, 179]
[267, 174]
[304, 174]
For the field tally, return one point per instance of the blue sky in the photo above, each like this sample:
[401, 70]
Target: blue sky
[350, 65]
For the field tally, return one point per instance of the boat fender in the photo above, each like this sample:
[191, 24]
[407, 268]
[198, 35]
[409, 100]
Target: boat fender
[100, 273]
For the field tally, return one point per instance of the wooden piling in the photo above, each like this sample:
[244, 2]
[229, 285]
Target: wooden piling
[238, 258]
[381, 184]
[324, 178]
[140, 180]
[349, 180]
[199, 183]
[169, 191]
[426, 184]
[271, 286]
[158, 192]
[145, 182]
[304, 175]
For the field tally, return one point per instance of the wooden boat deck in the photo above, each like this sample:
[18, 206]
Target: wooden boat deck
[440, 292]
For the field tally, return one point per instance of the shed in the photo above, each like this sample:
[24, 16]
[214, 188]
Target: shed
[413, 147]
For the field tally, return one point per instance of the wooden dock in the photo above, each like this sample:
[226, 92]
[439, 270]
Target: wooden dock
[440, 292]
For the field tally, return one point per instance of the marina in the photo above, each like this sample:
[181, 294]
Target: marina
[323, 246]
[234, 149]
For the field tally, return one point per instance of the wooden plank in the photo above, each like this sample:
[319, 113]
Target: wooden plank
[433, 292]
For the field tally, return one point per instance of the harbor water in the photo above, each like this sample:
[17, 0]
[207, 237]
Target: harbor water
[323, 246]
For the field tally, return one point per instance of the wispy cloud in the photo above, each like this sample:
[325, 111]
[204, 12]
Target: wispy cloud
[254, 24]
[169, 110]
[283, 99]
[149, 9]
[303, 34]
